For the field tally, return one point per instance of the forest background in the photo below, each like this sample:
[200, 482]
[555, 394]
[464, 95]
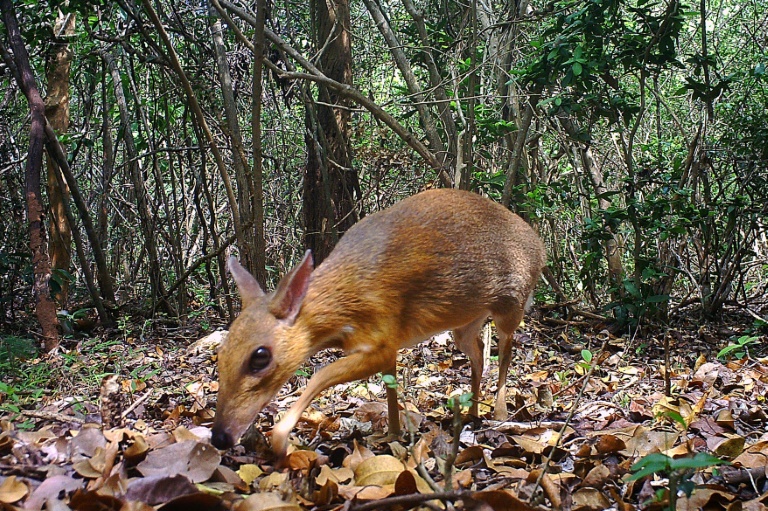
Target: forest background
[143, 141]
[632, 134]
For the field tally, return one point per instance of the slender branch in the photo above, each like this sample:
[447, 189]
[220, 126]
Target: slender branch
[198, 111]
[344, 90]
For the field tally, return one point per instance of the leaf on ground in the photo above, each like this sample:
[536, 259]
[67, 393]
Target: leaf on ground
[159, 489]
[338, 475]
[137, 451]
[359, 454]
[93, 467]
[266, 502]
[754, 456]
[51, 489]
[195, 460]
[249, 472]
[590, 499]
[378, 471]
[87, 441]
[501, 500]
[12, 490]
[301, 460]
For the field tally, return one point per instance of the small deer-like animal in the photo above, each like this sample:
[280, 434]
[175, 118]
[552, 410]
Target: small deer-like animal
[440, 260]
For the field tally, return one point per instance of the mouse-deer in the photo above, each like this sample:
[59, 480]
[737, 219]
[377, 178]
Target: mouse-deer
[439, 260]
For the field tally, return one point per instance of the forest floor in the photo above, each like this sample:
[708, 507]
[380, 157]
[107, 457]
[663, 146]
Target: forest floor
[120, 420]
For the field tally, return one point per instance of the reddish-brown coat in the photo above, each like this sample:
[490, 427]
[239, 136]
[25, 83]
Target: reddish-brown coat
[440, 260]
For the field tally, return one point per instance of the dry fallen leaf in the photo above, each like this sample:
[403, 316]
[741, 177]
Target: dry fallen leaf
[337, 475]
[195, 460]
[137, 451]
[51, 489]
[249, 472]
[379, 471]
[159, 489]
[266, 502]
[12, 490]
[589, 499]
[359, 454]
[501, 500]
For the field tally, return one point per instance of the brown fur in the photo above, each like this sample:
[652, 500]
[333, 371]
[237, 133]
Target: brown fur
[440, 260]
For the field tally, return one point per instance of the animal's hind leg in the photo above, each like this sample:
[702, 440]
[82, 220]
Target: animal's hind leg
[506, 324]
[468, 341]
[393, 408]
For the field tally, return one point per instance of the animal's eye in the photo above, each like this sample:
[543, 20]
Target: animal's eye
[260, 359]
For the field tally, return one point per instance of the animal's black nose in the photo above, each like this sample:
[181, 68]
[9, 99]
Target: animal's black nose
[221, 439]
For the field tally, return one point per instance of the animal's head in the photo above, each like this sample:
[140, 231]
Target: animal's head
[262, 351]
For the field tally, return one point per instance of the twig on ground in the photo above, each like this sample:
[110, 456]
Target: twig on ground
[52, 416]
[408, 500]
[135, 404]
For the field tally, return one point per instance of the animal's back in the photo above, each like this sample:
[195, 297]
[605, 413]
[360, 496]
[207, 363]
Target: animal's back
[435, 259]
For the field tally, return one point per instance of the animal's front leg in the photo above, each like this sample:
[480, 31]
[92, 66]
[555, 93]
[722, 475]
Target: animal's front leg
[355, 366]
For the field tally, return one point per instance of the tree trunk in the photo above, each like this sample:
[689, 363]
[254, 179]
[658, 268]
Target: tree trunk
[436, 83]
[257, 172]
[137, 180]
[45, 306]
[331, 187]
[57, 112]
[245, 183]
[583, 157]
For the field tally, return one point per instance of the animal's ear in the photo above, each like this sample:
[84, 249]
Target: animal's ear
[291, 291]
[249, 288]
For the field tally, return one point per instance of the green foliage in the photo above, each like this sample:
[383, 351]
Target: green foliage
[678, 134]
[661, 464]
[25, 380]
[679, 471]
[389, 380]
[29, 380]
[462, 402]
[588, 45]
[738, 349]
[14, 350]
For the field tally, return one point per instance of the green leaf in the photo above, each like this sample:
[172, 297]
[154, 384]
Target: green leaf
[389, 380]
[677, 418]
[576, 69]
[586, 355]
[631, 288]
[701, 460]
[652, 464]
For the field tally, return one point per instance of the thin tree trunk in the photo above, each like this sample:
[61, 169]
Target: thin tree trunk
[41, 264]
[56, 153]
[137, 179]
[80, 247]
[200, 119]
[427, 120]
[342, 89]
[257, 173]
[245, 189]
[57, 112]
[108, 165]
[468, 165]
[517, 155]
[331, 188]
[436, 82]
[612, 252]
